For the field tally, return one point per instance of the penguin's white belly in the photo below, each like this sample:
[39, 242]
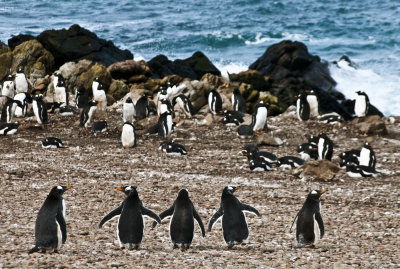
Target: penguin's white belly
[316, 231]
[18, 111]
[169, 124]
[321, 143]
[364, 156]
[21, 84]
[261, 119]
[313, 102]
[8, 89]
[360, 106]
[59, 236]
[211, 104]
[128, 136]
[258, 169]
[181, 106]
[128, 113]
[36, 111]
[352, 174]
[11, 132]
[305, 156]
[60, 95]
[298, 109]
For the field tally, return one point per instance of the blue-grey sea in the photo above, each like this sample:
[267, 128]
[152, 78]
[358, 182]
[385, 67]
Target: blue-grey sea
[233, 34]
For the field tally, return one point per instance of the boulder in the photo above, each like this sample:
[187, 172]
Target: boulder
[18, 39]
[252, 77]
[371, 125]
[118, 89]
[317, 170]
[77, 43]
[200, 64]
[6, 58]
[128, 69]
[85, 79]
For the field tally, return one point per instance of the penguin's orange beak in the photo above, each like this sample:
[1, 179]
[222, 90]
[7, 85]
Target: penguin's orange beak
[237, 188]
[67, 188]
[323, 191]
[118, 189]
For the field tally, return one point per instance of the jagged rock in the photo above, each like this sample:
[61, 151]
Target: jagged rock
[18, 39]
[317, 170]
[77, 43]
[128, 69]
[371, 125]
[193, 67]
[213, 80]
[252, 77]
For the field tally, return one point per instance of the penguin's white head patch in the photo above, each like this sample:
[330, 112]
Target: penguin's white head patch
[128, 188]
[59, 187]
[314, 192]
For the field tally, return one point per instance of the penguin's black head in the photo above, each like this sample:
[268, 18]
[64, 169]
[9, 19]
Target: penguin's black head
[230, 189]
[58, 191]
[183, 193]
[128, 190]
[80, 89]
[315, 194]
[249, 148]
[128, 100]
[92, 103]
[367, 145]
[20, 70]
[164, 101]
[9, 78]
[236, 91]
[97, 79]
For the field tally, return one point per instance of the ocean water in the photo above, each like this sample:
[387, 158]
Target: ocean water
[234, 33]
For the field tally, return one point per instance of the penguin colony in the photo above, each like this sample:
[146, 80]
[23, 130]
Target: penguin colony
[50, 227]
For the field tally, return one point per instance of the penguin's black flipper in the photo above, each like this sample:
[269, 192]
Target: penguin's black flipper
[165, 214]
[249, 209]
[214, 218]
[63, 226]
[198, 219]
[318, 218]
[151, 214]
[110, 215]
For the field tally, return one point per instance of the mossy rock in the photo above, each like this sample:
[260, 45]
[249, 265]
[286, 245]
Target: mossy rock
[213, 80]
[96, 71]
[5, 64]
[252, 77]
[117, 90]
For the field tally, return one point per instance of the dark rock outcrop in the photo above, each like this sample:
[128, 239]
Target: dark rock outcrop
[193, 67]
[252, 77]
[77, 43]
[18, 39]
[129, 70]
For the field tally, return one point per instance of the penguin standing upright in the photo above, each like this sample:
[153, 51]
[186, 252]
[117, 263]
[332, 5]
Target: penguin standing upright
[165, 106]
[87, 114]
[161, 95]
[313, 102]
[81, 97]
[302, 108]
[361, 104]
[99, 94]
[25, 99]
[8, 111]
[8, 87]
[142, 107]
[39, 109]
[21, 83]
[234, 224]
[181, 226]
[367, 156]
[309, 226]
[238, 102]
[215, 102]
[259, 119]
[128, 136]
[325, 147]
[60, 91]
[128, 111]
[165, 125]
[50, 228]
[130, 222]
[185, 105]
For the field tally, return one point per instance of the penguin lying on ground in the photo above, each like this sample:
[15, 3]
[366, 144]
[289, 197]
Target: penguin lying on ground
[9, 128]
[99, 126]
[267, 156]
[245, 131]
[234, 224]
[234, 114]
[332, 118]
[354, 170]
[289, 162]
[52, 143]
[50, 228]
[172, 148]
[309, 226]
[367, 156]
[131, 221]
[308, 151]
[181, 226]
[230, 121]
[350, 156]
[259, 164]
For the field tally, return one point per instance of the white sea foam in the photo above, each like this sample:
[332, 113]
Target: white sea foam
[382, 89]
[259, 40]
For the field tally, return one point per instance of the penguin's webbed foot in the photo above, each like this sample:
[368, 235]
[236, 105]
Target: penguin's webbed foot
[299, 245]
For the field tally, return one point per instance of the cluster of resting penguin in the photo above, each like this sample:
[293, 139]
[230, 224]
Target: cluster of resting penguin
[50, 228]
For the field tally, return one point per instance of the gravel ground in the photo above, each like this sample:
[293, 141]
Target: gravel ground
[361, 215]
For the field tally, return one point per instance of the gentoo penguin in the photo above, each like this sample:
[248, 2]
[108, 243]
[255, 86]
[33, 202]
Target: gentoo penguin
[249, 148]
[9, 128]
[165, 125]
[313, 102]
[289, 162]
[50, 228]
[234, 224]
[128, 111]
[267, 156]
[184, 104]
[325, 147]
[230, 121]
[172, 148]
[131, 221]
[99, 94]
[361, 104]
[39, 109]
[181, 226]
[308, 151]
[245, 131]
[302, 108]
[8, 87]
[313, 140]
[81, 97]
[60, 90]
[215, 102]
[25, 99]
[162, 94]
[21, 83]
[331, 119]
[259, 164]
[350, 156]
[52, 143]
[354, 170]
[259, 119]
[128, 136]
[8, 111]
[142, 107]
[238, 102]
[234, 114]
[165, 106]
[99, 126]
[87, 114]
[367, 156]
[309, 226]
